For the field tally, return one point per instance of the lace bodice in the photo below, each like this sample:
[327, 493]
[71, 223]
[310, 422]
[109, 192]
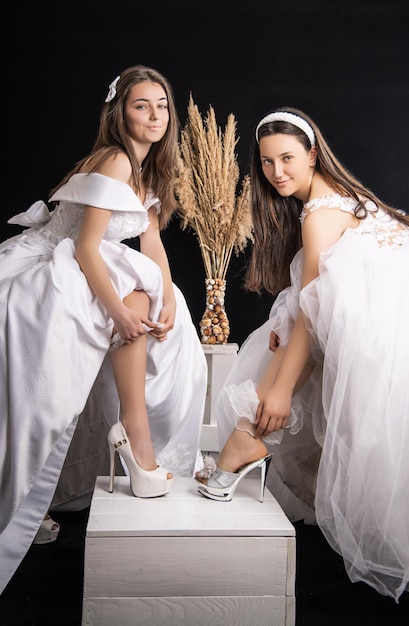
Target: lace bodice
[66, 219]
[129, 216]
[387, 230]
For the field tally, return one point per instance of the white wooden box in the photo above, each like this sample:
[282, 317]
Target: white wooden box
[185, 560]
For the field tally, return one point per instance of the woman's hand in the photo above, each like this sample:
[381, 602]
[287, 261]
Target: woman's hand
[273, 411]
[166, 322]
[274, 341]
[130, 325]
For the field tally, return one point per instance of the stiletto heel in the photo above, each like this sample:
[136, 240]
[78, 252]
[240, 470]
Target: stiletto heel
[144, 483]
[263, 477]
[221, 485]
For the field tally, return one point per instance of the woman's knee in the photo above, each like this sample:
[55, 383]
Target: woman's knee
[138, 300]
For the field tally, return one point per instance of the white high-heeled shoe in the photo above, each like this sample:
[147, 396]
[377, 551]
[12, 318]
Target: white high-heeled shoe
[144, 483]
[48, 531]
[221, 485]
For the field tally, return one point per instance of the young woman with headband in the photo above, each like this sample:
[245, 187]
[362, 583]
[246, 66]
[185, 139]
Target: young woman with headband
[320, 392]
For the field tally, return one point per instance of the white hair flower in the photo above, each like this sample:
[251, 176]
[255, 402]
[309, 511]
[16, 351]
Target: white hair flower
[112, 90]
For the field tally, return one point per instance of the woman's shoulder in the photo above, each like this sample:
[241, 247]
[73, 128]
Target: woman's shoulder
[331, 200]
[110, 162]
[118, 166]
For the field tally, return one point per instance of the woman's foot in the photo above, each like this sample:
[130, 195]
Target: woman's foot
[142, 448]
[222, 483]
[240, 449]
[144, 483]
[48, 531]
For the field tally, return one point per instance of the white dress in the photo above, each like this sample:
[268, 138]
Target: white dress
[54, 338]
[343, 461]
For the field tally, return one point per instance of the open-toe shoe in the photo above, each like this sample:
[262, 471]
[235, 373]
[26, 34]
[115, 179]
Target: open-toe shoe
[221, 485]
[144, 483]
[48, 531]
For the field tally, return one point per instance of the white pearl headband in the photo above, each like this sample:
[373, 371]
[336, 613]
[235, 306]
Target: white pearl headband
[296, 120]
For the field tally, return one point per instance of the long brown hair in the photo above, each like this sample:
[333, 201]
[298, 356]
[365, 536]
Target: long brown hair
[276, 220]
[159, 166]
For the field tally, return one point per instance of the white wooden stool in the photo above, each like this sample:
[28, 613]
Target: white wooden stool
[184, 560]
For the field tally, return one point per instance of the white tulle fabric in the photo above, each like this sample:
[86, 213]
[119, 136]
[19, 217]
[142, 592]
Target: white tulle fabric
[54, 372]
[348, 464]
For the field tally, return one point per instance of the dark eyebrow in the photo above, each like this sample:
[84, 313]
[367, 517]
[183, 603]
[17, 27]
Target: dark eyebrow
[265, 156]
[147, 100]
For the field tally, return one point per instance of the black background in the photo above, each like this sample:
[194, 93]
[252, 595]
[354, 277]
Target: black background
[343, 63]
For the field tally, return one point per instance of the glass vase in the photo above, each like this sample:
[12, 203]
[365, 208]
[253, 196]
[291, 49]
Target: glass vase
[214, 325]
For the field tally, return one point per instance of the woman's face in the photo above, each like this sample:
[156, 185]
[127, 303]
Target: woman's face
[146, 113]
[287, 165]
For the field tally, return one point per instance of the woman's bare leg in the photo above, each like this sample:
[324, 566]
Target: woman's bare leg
[239, 449]
[242, 447]
[129, 366]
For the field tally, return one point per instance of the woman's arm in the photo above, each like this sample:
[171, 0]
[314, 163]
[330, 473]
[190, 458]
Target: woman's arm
[152, 246]
[321, 229]
[275, 403]
[94, 223]
[93, 226]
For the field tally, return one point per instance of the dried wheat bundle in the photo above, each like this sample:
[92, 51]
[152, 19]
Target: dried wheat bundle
[206, 186]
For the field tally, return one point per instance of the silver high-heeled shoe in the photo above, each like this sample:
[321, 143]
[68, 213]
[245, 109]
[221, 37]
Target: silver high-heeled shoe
[221, 485]
[144, 483]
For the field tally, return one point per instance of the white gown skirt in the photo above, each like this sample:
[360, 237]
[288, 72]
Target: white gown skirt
[346, 461]
[54, 339]
[359, 310]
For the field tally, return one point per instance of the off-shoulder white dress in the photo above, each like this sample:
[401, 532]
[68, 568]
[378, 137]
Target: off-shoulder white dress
[55, 372]
[343, 461]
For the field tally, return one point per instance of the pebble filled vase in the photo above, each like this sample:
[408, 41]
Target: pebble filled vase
[214, 325]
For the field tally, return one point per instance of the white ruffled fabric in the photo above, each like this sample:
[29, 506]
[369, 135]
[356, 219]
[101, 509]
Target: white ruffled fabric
[54, 339]
[348, 464]
[244, 401]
